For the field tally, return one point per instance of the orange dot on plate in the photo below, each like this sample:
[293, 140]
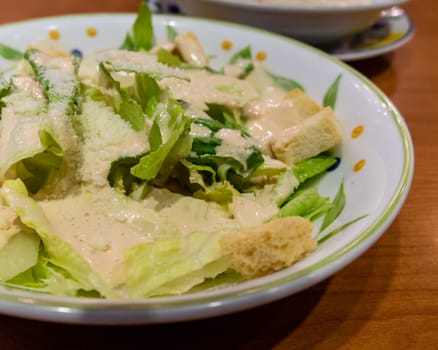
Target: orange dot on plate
[261, 56]
[357, 131]
[54, 34]
[91, 31]
[359, 165]
[227, 44]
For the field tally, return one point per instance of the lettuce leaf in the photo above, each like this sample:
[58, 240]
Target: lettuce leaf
[173, 265]
[59, 252]
[58, 79]
[19, 254]
[9, 53]
[141, 35]
[173, 125]
[307, 203]
[289, 181]
[120, 99]
[45, 277]
[37, 158]
[338, 206]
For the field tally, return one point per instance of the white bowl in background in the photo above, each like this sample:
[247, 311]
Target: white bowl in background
[314, 24]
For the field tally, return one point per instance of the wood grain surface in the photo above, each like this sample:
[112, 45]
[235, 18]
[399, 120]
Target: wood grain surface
[386, 299]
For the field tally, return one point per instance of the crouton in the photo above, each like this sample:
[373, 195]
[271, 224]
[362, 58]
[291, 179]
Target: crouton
[313, 136]
[292, 126]
[272, 246]
[190, 49]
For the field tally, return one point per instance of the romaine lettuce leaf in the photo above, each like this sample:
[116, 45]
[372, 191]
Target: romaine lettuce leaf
[59, 252]
[173, 264]
[37, 157]
[231, 119]
[243, 55]
[289, 181]
[187, 282]
[141, 35]
[58, 79]
[19, 254]
[9, 53]
[120, 99]
[173, 126]
[337, 208]
[168, 58]
[307, 203]
[46, 277]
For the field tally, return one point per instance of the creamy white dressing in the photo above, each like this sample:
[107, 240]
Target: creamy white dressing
[205, 87]
[59, 63]
[30, 86]
[189, 214]
[275, 114]
[286, 186]
[100, 226]
[60, 125]
[59, 70]
[236, 69]
[28, 99]
[139, 61]
[8, 224]
[63, 87]
[197, 130]
[89, 69]
[19, 138]
[249, 210]
[234, 145]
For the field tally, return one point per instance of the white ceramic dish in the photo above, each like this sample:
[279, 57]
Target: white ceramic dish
[391, 31]
[376, 168]
[311, 24]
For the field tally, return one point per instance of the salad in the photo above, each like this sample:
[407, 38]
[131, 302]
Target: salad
[142, 171]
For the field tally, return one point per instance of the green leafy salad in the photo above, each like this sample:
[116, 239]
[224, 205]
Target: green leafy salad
[143, 171]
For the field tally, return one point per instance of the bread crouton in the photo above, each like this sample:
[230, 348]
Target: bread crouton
[302, 104]
[269, 247]
[190, 49]
[313, 136]
[292, 126]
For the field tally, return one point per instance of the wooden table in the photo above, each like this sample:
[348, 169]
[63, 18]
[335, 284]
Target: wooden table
[387, 299]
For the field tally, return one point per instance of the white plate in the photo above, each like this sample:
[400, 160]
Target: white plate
[376, 167]
[393, 30]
